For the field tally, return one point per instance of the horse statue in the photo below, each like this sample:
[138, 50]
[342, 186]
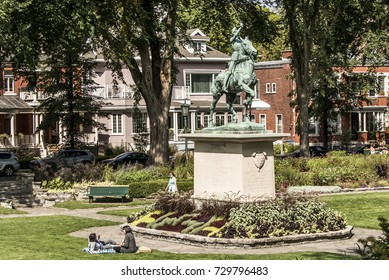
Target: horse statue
[240, 78]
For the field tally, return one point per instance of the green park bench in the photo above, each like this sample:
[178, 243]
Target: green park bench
[117, 190]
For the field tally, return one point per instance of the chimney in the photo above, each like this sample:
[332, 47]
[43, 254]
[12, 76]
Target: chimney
[287, 54]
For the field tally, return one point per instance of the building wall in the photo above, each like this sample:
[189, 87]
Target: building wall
[279, 100]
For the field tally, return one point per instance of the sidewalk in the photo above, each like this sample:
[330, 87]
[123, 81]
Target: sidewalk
[342, 246]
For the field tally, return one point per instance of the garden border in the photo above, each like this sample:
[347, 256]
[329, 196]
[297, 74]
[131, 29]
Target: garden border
[242, 242]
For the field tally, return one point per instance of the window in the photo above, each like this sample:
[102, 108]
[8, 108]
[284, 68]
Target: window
[8, 82]
[268, 89]
[206, 120]
[117, 124]
[313, 126]
[199, 47]
[262, 120]
[219, 119]
[199, 82]
[354, 86]
[278, 123]
[139, 123]
[378, 88]
[381, 85]
[271, 87]
[252, 118]
[257, 90]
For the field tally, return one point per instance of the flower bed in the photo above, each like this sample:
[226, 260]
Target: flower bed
[282, 216]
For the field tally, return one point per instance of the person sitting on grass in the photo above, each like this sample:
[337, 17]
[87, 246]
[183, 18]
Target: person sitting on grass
[128, 245]
[95, 244]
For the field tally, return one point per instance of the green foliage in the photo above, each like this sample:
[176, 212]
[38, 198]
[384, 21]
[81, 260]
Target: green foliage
[184, 171]
[284, 215]
[76, 173]
[334, 169]
[288, 148]
[372, 248]
[56, 184]
[138, 173]
[149, 188]
[111, 151]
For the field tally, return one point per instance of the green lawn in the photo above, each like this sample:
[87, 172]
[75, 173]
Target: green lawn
[360, 209]
[46, 238]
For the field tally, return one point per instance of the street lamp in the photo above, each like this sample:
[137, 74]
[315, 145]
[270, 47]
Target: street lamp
[185, 114]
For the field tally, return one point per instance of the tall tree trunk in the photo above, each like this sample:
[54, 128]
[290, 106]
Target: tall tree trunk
[159, 133]
[304, 121]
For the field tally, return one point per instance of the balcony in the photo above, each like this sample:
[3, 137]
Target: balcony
[103, 92]
[111, 92]
[180, 93]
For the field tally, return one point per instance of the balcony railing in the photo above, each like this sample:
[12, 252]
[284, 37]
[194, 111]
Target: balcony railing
[111, 92]
[181, 92]
[104, 92]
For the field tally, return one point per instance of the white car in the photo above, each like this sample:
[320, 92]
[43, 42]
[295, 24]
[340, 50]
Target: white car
[9, 163]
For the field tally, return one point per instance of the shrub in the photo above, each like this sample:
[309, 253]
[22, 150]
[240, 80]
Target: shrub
[281, 216]
[372, 248]
[213, 207]
[173, 202]
[138, 173]
[148, 188]
[76, 173]
[56, 184]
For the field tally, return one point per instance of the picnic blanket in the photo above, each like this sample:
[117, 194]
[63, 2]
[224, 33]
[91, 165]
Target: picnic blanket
[101, 251]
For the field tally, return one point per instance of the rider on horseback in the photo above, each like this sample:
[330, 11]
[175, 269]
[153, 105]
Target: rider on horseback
[236, 41]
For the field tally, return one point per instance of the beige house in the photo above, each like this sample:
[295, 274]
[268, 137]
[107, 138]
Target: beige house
[197, 67]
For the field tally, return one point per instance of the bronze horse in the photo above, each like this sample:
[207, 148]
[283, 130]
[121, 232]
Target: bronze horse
[242, 78]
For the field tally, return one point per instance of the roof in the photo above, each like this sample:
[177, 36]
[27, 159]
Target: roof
[271, 64]
[209, 54]
[10, 103]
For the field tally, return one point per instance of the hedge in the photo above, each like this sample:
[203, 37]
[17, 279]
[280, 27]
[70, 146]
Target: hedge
[146, 189]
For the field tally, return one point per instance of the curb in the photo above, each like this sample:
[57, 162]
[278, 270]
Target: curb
[242, 242]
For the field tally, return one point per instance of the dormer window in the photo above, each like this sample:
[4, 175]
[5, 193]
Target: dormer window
[200, 47]
[199, 42]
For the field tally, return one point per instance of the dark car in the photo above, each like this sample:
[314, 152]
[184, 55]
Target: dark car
[314, 151]
[127, 158]
[9, 163]
[358, 149]
[67, 157]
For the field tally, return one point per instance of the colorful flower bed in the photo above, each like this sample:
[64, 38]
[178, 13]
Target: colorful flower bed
[284, 215]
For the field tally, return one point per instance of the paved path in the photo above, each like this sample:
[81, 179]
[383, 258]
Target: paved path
[344, 246]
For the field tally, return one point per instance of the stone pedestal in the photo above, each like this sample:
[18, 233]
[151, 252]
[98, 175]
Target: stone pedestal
[237, 166]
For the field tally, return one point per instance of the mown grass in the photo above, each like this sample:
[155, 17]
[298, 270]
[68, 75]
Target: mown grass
[7, 211]
[47, 238]
[104, 203]
[360, 209]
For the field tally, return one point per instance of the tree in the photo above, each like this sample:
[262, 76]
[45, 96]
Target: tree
[47, 46]
[143, 35]
[216, 20]
[322, 34]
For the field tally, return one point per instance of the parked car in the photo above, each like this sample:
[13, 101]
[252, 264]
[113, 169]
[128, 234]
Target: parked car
[314, 151]
[67, 157]
[358, 149]
[9, 163]
[127, 158]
